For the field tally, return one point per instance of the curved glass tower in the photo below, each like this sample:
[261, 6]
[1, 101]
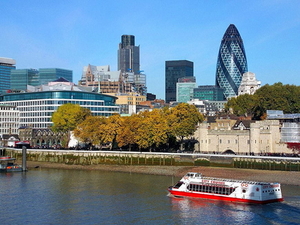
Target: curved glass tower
[232, 62]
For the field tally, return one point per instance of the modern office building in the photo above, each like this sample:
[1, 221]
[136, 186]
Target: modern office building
[20, 78]
[6, 65]
[129, 65]
[174, 70]
[47, 75]
[231, 63]
[209, 92]
[128, 55]
[185, 89]
[37, 107]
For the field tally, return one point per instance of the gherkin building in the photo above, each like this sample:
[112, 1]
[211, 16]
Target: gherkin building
[232, 62]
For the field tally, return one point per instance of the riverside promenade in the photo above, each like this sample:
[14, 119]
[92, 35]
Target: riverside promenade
[274, 169]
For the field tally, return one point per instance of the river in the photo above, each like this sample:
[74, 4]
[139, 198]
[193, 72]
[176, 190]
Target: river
[57, 196]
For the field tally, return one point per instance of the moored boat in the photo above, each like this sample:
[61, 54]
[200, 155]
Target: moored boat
[7, 165]
[195, 185]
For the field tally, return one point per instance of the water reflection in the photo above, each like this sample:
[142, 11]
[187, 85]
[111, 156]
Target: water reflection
[218, 212]
[212, 211]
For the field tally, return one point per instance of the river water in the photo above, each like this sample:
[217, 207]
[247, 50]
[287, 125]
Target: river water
[53, 196]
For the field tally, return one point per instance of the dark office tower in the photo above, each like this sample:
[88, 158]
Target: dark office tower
[232, 62]
[128, 55]
[174, 70]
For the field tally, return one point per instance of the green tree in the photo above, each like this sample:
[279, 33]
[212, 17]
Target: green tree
[243, 105]
[67, 117]
[277, 97]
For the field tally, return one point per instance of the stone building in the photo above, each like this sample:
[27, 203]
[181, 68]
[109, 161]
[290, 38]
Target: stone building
[259, 137]
[249, 84]
[41, 138]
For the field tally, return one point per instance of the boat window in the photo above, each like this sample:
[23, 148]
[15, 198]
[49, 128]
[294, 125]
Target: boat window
[178, 185]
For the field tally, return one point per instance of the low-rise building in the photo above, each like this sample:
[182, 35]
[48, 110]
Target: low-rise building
[262, 137]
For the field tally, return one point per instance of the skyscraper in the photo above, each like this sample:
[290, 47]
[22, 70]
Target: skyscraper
[174, 70]
[128, 55]
[231, 63]
[6, 65]
[129, 64]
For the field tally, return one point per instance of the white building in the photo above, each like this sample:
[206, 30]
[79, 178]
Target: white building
[9, 119]
[249, 84]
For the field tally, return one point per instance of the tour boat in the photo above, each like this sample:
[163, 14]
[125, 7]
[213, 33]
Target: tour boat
[195, 185]
[7, 165]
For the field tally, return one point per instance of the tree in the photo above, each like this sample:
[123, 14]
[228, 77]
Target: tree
[183, 120]
[127, 133]
[153, 129]
[268, 97]
[114, 123]
[243, 105]
[91, 130]
[67, 117]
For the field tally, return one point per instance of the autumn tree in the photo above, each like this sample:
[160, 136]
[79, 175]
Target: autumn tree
[127, 133]
[67, 117]
[92, 131]
[153, 129]
[183, 120]
[114, 123]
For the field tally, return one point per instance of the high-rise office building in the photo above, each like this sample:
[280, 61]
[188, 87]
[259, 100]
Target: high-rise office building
[209, 92]
[20, 78]
[231, 63]
[174, 70]
[6, 65]
[129, 65]
[50, 74]
[185, 89]
[128, 55]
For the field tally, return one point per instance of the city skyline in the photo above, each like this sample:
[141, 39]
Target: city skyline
[71, 35]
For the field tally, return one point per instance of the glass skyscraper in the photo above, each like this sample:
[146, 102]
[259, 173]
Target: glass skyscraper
[6, 65]
[231, 63]
[174, 70]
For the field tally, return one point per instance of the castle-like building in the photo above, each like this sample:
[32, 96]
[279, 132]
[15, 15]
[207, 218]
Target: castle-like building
[240, 137]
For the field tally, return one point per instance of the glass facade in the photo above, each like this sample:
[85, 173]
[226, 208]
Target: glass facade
[209, 92]
[20, 78]
[231, 63]
[36, 108]
[50, 74]
[6, 66]
[173, 71]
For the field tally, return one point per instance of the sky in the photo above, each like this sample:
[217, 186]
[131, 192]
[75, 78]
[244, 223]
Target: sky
[72, 34]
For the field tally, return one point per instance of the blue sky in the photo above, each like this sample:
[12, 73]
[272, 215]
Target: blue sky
[74, 33]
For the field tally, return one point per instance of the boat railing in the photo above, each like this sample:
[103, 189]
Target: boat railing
[236, 181]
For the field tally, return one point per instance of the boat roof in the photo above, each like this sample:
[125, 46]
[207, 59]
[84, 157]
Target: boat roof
[6, 158]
